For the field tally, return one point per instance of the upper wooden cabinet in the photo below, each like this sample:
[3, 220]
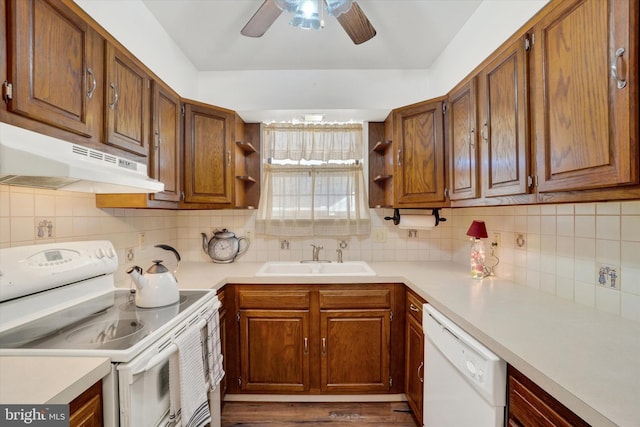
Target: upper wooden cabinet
[503, 126]
[418, 141]
[585, 95]
[54, 69]
[127, 102]
[208, 154]
[165, 162]
[461, 119]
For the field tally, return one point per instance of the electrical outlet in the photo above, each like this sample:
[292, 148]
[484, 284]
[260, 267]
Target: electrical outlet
[129, 254]
[142, 240]
[380, 235]
[249, 235]
[496, 243]
[608, 276]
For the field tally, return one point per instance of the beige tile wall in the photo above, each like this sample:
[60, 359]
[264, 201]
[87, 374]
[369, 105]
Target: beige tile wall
[75, 217]
[565, 244]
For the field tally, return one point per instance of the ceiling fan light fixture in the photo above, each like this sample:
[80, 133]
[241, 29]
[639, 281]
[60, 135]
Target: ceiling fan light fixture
[338, 7]
[287, 5]
[307, 15]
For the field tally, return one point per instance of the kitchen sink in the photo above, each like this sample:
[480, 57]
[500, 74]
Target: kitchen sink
[293, 268]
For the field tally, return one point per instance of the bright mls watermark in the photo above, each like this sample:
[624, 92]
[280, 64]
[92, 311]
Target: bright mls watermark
[34, 415]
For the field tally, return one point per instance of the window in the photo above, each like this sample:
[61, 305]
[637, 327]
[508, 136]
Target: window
[313, 181]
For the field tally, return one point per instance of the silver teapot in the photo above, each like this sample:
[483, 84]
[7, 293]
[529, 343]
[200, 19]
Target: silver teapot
[224, 246]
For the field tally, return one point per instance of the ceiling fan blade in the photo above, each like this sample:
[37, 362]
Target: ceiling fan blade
[356, 24]
[262, 19]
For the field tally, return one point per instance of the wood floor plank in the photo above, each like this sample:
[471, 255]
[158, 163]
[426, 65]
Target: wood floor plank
[334, 414]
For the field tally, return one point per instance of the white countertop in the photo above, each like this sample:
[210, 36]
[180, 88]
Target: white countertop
[41, 380]
[587, 359]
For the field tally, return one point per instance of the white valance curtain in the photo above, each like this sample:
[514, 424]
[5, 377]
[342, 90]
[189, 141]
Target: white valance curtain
[313, 181]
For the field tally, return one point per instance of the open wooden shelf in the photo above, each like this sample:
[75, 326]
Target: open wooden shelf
[246, 146]
[381, 146]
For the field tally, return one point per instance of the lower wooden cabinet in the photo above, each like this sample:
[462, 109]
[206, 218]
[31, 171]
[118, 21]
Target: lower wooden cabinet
[86, 409]
[414, 355]
[531, 406]
[316, 339]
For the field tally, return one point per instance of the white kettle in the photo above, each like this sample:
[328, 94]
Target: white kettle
[157, 287]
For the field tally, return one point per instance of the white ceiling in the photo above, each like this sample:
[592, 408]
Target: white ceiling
[410, 35]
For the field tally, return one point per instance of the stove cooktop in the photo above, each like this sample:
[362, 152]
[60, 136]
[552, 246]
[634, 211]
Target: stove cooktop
[108, 322]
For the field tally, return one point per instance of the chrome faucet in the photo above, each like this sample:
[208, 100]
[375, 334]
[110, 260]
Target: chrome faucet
[316, 252]
[339, 251]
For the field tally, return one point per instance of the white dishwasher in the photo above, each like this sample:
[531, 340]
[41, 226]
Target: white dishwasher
[464, 382]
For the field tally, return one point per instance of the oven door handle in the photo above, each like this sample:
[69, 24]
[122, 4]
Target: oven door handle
[157, 359]
[165, 353]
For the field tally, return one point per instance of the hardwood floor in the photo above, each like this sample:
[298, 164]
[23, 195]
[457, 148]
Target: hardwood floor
[334, 414]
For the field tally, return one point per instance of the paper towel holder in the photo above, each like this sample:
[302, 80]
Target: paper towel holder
[396, 216]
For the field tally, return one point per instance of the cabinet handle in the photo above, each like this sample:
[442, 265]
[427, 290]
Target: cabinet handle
[115, 96]
[94, 84]
[484, 132]
[421, 378]
[414, 308]
[614, 68]
[229, 158]
[324, 345]
[472, 134]
[399, 157]
[306, 345]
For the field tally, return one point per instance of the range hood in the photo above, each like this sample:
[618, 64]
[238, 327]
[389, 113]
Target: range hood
[34, 160]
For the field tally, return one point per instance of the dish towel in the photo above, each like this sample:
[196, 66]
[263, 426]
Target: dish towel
[194, 403]
[215, 370]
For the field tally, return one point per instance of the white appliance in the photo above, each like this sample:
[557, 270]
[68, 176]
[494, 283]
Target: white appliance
[464, 382]
[34, 160]
[59, 299]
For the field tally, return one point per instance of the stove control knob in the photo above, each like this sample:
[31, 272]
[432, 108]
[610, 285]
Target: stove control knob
[111, 253]
[100, 253]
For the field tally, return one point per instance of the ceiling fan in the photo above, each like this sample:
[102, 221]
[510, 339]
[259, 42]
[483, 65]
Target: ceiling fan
[309, 14]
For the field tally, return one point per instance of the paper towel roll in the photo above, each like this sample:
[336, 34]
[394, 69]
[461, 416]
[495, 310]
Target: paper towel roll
[417, 222]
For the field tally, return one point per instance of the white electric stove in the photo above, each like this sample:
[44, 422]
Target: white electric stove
[59, 300]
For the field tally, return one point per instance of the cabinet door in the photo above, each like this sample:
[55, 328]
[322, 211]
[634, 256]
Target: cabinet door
[127, 102]
[55, 67]
[529, 405]
[419, 175]
[164, 160]
[355, 350]
[86, 409]
[462, 124]
[585, 122]
[414, 374]
[274, 349]
[207, 155]
[505, 148]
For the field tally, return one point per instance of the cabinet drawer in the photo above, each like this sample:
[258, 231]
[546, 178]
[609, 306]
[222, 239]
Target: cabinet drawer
[530, 405]
[274, 298]
[355, 298]
[414, 306]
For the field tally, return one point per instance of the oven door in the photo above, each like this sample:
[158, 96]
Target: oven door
[143, 387]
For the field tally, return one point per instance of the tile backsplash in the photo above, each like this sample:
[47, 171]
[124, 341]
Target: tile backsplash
[565, 246]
